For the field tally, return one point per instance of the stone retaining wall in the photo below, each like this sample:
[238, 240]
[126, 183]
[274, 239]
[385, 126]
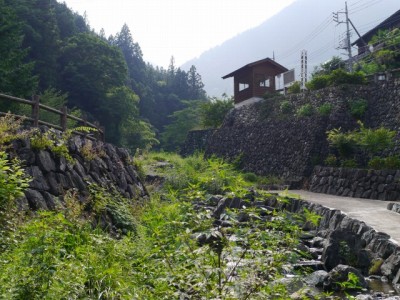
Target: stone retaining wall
[270, 141]
[196, 140]
[53, 175]
[359, 183]
[349, 241]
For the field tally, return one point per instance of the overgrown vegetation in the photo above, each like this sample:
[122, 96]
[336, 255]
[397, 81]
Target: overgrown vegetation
[295, 88]
[195, 115]
[166, 248]
[325, 109]
[286, 107]
[305, 110]
[386, 56]
[358, 107]
[57, 141]
[10, 130]
[335, 78]
[365, 141]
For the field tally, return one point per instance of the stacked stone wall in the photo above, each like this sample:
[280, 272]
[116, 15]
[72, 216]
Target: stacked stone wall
[374, 253]
[359, 183]
[196, 141]
[269, 141]
[53, 175]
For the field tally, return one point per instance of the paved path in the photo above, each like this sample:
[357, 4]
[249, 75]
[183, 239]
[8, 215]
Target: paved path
[372, 212]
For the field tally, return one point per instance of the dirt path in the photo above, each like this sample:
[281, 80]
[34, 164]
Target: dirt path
[372, 212]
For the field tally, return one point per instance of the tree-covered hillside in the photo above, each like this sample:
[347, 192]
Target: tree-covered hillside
[45, 47]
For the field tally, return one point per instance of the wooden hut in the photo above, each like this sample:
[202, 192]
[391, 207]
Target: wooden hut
[255, 79]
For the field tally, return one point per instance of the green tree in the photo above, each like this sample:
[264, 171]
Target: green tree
[137, 134]
[327, 67]
[90, 68]
[195, 84]
[132, 53]
[124, 126]
[41, 36]
[182, 122]
[120, 105]
[16, 75]
[212, 112]
[69, 23]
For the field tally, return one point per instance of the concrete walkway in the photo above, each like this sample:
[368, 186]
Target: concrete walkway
[372, 212]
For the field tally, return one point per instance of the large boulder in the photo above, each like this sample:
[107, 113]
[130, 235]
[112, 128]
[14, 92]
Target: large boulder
[338, 279]
[391, 265]
[345, 247]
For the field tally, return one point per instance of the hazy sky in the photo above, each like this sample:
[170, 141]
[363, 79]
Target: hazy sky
[180, 28]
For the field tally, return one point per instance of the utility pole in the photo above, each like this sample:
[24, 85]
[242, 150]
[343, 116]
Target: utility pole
[347, 41]
[303, 74]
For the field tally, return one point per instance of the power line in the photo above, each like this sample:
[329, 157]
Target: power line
[365, 6]
[318, 30]
[355, 3]
[355, 7]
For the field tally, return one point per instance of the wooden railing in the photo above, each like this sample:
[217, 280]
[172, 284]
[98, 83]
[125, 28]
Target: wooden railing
[63, 113]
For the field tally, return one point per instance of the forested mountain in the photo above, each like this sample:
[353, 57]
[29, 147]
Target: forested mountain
[45, 48]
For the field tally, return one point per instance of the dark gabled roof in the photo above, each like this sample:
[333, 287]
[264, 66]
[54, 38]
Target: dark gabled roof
[386, 24]
[258, 62]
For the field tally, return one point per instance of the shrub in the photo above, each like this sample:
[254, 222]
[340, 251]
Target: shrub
[12, 181]
[358, 108]
[286, 107]
[336, 77]
[376, 163]
[212, 112]
[345, 143]
[305, 110]
[90, 151]
[318, 82]
[374, 140]
[389, 163]
[12, 184]
[392, 162]
[250, 177]
[331, 161]
[369, 141]
[340, 76]
[325, 109]
[349, 163]
[10, 130]
[295, 88]
[269, 95]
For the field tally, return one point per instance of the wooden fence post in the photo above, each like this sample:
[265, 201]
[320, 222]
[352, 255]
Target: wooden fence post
[35, 110]
[63, 118]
